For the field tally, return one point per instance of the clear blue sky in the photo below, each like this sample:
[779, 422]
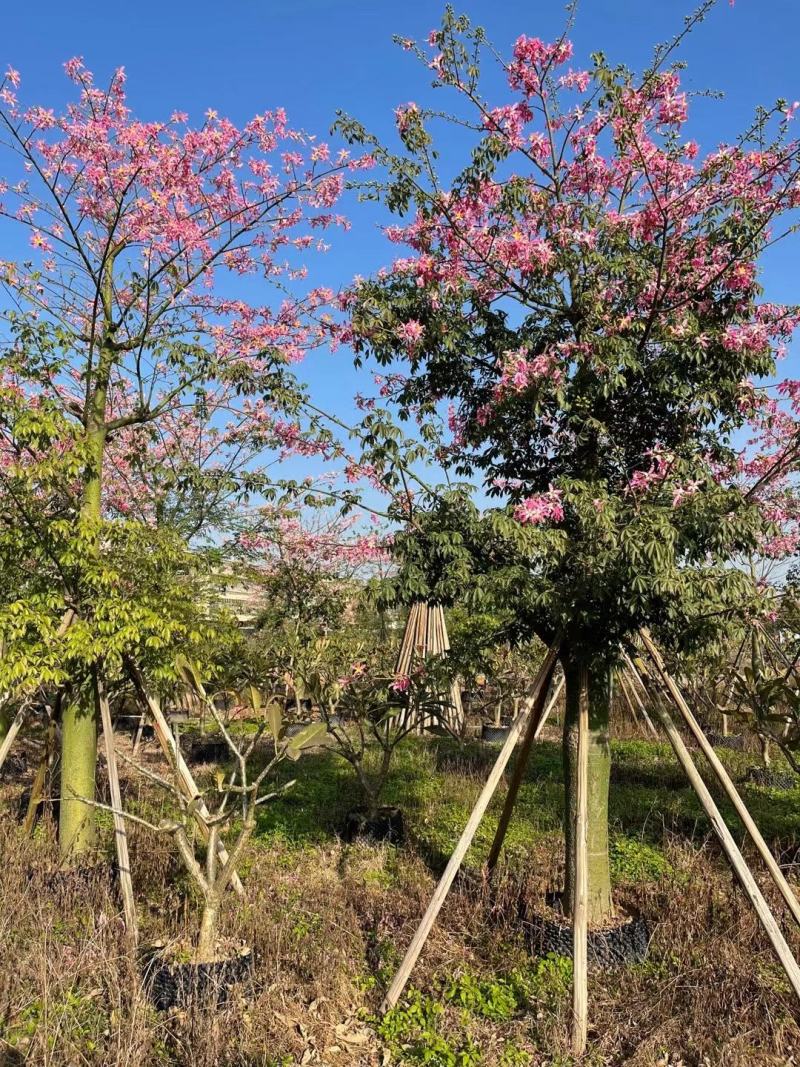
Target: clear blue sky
[312, 56]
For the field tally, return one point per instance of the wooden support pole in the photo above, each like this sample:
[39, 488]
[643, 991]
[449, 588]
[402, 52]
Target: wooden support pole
[724, 778]
[137, 737]
[184, 775]
[13, 730]
[37, 789]
[731, 850]
[634, 678]
[627, 698]
[120, 831]
[442, 889]
[536, 721]
[580, 899]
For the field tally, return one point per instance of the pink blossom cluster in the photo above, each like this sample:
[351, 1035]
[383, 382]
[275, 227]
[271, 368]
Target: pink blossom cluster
[540, 508]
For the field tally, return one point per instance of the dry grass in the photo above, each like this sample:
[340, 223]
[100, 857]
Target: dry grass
[328, 924]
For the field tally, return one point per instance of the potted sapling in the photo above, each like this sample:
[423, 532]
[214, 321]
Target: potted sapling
[226, 814]
[368, 713]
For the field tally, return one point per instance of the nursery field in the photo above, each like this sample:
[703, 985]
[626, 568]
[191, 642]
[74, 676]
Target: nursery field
[400, 536]
[330, 920]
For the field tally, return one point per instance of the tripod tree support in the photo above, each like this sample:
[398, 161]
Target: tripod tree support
[445, 882]
[176, 760]
[749, 884]
[536, 723]
[120, 833]
[724, 778]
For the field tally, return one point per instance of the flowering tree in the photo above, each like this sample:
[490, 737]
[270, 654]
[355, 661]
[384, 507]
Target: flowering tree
[126, 318]
[583, 300]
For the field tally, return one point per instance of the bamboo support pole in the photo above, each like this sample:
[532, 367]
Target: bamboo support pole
[442, 889]
[627, 698]
[120, 831]
[37, 789]
[724, 778]
[634, 677]
[731, 850]
[137, 737]
[536, 721]
[580, 898]
[185, 778]
[13, 730]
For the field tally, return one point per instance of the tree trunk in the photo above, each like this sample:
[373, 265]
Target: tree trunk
[76, 824]
[207, 938]
[595, 682]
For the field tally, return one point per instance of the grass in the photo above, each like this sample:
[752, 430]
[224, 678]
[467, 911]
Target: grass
[329, 922]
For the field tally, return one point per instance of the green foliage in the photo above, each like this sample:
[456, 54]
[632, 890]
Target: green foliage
[71, 1011]
[633, 860]
[494, 999]
[412, 1033]
[418, 1031]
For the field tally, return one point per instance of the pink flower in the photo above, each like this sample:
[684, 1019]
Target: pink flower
[540, 508]
[410, 333]
[682, 492]
[401, 683]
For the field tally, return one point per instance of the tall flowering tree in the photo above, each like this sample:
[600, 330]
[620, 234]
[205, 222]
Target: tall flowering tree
[581, 305]
[128, 316]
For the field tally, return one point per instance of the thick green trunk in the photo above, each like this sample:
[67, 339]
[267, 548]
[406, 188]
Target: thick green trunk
[595, 684]
[76, 824]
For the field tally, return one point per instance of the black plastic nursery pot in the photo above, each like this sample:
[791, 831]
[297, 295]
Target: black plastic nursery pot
[732, 741]
[78, 878]
[771, 779]
[495, 734]
[386, 825]
[177, 984]
[616, 945]
[211, 751]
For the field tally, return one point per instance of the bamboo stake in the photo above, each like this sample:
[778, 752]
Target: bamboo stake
[445, 634]
[580, 898]
[13, 730]
[535, 726]
[735, 857]
[468, 833]
[137, 738]
[637, 698]
[627, 699]
[120, 831]
[724, 778]
[37, 789]
[176, 760]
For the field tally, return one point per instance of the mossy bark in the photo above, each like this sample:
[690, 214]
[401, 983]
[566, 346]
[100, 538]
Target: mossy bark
[587, 681]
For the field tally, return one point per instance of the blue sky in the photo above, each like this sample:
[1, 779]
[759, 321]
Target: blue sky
[312, 56]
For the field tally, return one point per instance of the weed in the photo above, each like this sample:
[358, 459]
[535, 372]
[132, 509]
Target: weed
[495, 999]
[411, 1032]
[633, 860]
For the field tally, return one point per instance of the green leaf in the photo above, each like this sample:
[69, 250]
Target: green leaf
[310, 735]
[275, 717]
